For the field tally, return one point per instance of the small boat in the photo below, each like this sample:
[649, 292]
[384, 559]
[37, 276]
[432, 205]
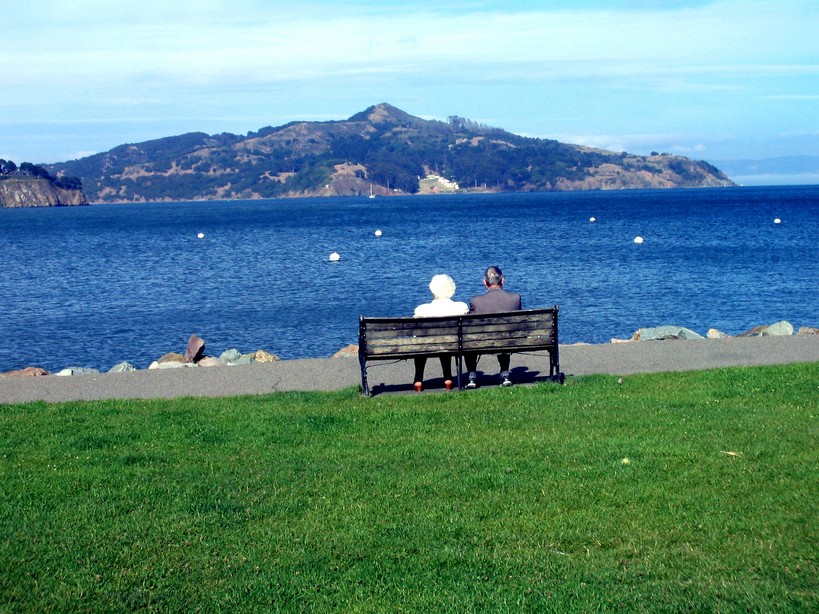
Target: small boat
[371, 193]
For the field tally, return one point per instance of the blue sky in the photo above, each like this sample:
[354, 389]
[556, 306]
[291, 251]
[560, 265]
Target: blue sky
[713, 80]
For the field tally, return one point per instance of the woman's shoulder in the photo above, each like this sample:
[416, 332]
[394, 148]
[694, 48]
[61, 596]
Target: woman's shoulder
[422, 310]
[460, 307]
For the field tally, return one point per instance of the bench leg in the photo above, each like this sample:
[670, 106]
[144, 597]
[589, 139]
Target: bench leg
[365, 388]
[460, 371]
[554, 368]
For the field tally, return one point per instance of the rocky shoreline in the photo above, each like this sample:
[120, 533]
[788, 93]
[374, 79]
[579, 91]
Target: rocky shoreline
[195, 356]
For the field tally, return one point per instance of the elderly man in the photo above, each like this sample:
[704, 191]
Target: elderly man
[495, 300]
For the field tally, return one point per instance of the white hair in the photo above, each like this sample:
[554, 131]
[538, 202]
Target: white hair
[442, 286]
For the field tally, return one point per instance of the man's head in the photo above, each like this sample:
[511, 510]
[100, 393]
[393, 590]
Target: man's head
[493, 277]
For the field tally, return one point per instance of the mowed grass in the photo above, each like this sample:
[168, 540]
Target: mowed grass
[668, 492]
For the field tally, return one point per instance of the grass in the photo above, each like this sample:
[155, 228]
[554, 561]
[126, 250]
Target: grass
[668, 492]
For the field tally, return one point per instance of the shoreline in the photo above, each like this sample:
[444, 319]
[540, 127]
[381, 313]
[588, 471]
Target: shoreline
[332, 374]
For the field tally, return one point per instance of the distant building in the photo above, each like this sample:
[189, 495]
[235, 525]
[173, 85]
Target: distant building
[435, 184]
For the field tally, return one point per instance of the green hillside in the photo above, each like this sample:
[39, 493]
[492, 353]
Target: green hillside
[382, 148]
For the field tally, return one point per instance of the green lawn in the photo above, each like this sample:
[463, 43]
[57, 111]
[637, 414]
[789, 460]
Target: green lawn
[668, 492]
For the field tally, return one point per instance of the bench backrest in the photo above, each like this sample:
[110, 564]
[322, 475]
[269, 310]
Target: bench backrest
[512, 331]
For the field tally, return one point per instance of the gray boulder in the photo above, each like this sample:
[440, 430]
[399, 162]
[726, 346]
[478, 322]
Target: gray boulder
[665, 332]
[235, 357]
[782, 329]
[122, 367]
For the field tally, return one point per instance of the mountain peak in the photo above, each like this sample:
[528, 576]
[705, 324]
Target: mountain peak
[384, 113]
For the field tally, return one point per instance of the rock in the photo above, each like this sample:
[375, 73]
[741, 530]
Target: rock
[122, 367]
[195, 349]
[230, 355]
[808, 330]
[615, 340]
[169, 361]
[210, 361]
[173, 364]
[713, 333]
[665, 332]
[171, 357]
[26, 372]
[780, 329]
[756, 331]
[265, 356]
[235, 357]
[76, 371]
[350, 351]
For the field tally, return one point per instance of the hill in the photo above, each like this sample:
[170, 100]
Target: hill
[30, 185]
[382, 148]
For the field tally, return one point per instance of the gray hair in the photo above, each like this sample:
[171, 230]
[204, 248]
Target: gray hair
[493, 276]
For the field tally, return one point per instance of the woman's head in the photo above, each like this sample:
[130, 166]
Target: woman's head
[442, 286]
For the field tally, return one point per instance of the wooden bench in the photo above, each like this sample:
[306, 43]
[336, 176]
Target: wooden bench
[528, 330]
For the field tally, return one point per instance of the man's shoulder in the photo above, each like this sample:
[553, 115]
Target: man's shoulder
[496, 300]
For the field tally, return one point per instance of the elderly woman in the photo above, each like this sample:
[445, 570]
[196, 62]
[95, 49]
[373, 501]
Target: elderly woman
[443, 289]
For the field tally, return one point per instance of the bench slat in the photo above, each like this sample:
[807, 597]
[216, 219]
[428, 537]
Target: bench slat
[385, 352]
[421, 333]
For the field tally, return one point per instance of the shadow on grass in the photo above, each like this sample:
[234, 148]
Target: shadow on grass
[520, 376]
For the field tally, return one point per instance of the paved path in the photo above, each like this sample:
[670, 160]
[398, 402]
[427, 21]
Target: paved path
[339, 373]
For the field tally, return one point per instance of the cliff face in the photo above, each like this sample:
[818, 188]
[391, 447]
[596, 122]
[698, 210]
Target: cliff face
[629, 172]
[37, 192]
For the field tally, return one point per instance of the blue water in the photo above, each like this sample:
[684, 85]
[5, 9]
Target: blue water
[91, 286]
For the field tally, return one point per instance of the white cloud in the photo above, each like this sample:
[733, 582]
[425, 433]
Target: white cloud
[206, 42]
[796, 97]
[684, 145]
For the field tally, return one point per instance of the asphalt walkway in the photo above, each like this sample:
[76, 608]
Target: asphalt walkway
[338, 373]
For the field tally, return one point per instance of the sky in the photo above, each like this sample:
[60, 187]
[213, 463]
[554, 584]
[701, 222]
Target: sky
[709, 79]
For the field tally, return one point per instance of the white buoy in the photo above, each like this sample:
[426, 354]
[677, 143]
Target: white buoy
[592, 219]
[777, 221]
[201, 235]
[638, 240]
[335, 257]
[378, 233]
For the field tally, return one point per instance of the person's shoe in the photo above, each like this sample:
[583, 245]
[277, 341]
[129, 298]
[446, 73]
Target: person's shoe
[418, 386]
[506, 379]
[472, 383]
[448, 384]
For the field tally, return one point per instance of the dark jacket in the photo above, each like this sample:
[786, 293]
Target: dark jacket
[495, 300]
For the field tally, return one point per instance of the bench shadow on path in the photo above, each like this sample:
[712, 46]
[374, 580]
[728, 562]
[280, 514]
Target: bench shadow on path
[520, 376]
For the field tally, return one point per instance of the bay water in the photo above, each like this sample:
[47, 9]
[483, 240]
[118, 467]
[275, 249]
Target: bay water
[93, 286]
